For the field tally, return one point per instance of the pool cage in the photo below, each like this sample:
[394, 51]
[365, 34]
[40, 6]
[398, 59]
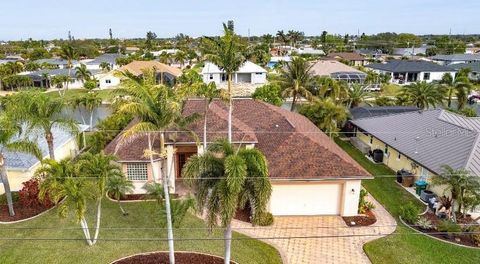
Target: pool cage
[349, 77]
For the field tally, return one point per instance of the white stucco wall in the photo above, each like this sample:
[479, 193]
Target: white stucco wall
[114, 81]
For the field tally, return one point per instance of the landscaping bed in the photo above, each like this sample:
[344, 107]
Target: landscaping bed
[180, 258]
[361, 220]
[21, 212]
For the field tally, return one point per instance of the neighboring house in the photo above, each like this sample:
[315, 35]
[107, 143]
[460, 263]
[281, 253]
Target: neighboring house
[310, 174]
[376, 111]
[110, 58]
[39, 79]
[406, 52]
[58, 62]
[131, 50]
[21, 167]
[165, 74]
[371, 54]
[472, 50]
[423, 141]
[275, 60]
[410, 71]
[474, 67]
[309, 51]
[351, 58]
[108, 80]
[337, 70]
[455, 58]
[249, 73]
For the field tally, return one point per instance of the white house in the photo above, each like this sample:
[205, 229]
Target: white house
[456, 58]
[107, 80]
[43, 78]
[410, 71]
[110, 58]
[249, 73]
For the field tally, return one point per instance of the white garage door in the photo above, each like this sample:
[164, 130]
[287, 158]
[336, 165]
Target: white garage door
[306, 199]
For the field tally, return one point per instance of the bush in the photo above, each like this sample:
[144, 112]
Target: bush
[264, 219]
[409, 213]
[3, 198]
[90, 84]
[449, 227]
[107, 131]
[28, 195]
[269, 93]
[363, 205]
[475, 235]
[424, 223]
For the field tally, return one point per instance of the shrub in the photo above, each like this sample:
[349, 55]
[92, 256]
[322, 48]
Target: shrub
[3, 198]
[90, 84]
[28, 195]
[475, 235]
[270, 93]
[409, 213]
[364, 205]
[264, 219]
[448, 227]
[424, 223]
[179, 209]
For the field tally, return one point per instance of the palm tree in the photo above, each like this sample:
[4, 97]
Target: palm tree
[295, 78]
[282, 37]
[82, 73]
[463, 88]
[226, 53]
[165, 58]
[118, 186]
[223, 179]
[10, 140]
[422, 94]
[46, 79]
[40, 111]
[68, 53]
[328, 87]
[326, 114]
[208, 92]
[447, 83]
[180, 57]
[89, 101]
[356, 95]
[105, 66]
[157, 108]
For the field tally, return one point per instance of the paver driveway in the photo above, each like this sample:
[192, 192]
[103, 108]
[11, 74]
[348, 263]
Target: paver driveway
[330, 239]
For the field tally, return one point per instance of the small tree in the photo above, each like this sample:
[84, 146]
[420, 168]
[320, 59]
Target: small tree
[269, 93]
[117, 187]
[326, 115]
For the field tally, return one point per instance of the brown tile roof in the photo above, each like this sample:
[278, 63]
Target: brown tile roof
[294, 147]
[350, 56]
[137, 68]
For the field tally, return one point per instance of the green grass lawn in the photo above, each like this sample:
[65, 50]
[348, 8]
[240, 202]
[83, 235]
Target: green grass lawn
[141, 215]
[104, 94]
[404, 246]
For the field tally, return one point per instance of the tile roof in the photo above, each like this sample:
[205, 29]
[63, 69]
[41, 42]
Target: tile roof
[137, 67]
[409, 66]
[457, 57]
[363, 111]
[55, 61]
[54, 72]
[474, 66]
[328, 67]
[432, 137]
[295, 148]
[351, 56]
[247, 67]
[109, 58]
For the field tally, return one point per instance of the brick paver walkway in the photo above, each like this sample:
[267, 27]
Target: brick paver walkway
[333, 241]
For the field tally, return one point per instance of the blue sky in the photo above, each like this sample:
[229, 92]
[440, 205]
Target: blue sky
[47, 19]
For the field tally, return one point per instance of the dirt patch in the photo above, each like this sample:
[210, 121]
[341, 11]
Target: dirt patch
[180, 258]
[243, 215]
[20, 212]
[361, 220]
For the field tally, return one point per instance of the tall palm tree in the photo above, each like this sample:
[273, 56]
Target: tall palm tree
[10, 140]
[105, 66]
[463, 88]
[82, 73]
[68, 53]
[165, 58]
[326, 114]
[41, 112]
[180, 57]
[231, 178]
[89, 101]
[157, 108]
[226, 53]
[46, 79]
[208, 92]
[447, 83]
[295, 78]
[356, 95]
[336, 90]
[118, 186]
[422, 94]
[282, 37]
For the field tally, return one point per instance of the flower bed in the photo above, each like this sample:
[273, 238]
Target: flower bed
[360, 220]
[180, 258]
[21, 212]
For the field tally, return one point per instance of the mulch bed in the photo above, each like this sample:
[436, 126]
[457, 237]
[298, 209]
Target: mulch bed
[180, 258]
[361, 220]
[132, 197]
[20, 212]
[243, 215]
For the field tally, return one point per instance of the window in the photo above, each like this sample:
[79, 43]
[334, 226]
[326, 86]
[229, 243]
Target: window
[108, 81]
[211, 76]
[426, 76]
[258, 73]
[386, 150]
[371, 140]
[137, 171]
[399, 156]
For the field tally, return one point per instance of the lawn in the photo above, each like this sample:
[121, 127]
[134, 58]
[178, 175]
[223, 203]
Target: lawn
[118, 242]
[403, 246]
[104, 94]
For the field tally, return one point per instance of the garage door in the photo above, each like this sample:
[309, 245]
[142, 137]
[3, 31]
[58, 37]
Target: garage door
[306, 199]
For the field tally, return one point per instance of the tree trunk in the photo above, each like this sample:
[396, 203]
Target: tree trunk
[228, 243]
[121, 207]
[293, 101]
[86, 231]
[205, 126]
[230, 108]
[51, 149]
[150, 149]
[6, 185]
[69, 72]
[165, 178]
[99, 217]
[91, 120]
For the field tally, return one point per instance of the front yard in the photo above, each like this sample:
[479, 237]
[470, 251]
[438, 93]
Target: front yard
[403, 246]
[66, 244]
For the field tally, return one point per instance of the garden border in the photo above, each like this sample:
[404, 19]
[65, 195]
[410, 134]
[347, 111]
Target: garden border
[33, 217]
[153, 252]
[439, 239]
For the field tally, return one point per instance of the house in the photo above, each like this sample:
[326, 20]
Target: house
[474, 67]
[371, 54]
[58, 62]
[407, 52]
[369, 111]
[309, 51]
[421, 142]
[246, 79]
[310, 174]
[109, 58]
[165, 74]
[338, 71]
[108, 80]
[21, 167]
[455, 58]
[350, 58]
[131, 50]
[42, 78]
[410, 71]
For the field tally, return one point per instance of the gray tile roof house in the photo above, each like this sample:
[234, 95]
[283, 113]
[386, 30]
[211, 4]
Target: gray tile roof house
[37, 75]
[456, 58]
[363, 111]
[55, 61]
[109, 58]
[409, 66]
[431, 138]
[24, 162]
